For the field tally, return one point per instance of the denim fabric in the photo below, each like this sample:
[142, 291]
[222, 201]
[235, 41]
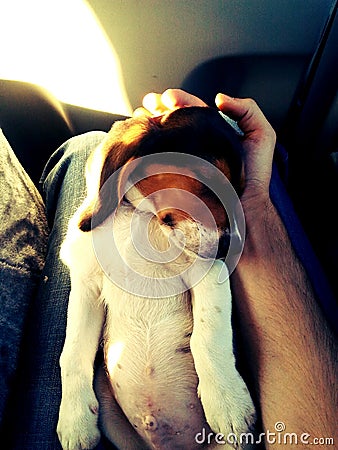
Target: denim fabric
[32, 421]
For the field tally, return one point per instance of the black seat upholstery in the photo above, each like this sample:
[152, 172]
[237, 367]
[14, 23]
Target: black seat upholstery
[35, 123]
[271, 80]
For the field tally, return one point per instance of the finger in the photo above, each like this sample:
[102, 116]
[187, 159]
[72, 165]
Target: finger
[246, 112]
[141, 112]
[177, 98]
[170, 100]
[258, 141]
[153, 103]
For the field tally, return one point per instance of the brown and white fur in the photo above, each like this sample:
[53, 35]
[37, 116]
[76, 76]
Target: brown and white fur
[169, 362]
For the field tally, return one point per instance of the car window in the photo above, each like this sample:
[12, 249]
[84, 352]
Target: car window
[61, 46]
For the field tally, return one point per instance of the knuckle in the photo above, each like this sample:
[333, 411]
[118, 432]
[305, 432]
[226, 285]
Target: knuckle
[251, 103]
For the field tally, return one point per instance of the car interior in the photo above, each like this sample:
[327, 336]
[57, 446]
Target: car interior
[282, 54]
[73, 66]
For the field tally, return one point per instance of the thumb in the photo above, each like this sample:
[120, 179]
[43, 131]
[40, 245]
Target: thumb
[248, 115]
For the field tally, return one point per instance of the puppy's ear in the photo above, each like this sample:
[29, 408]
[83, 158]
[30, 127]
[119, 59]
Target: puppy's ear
[99, 203]
[93, 171]
[118, 149]
[123, 178]
[112, 187]
[85, 221]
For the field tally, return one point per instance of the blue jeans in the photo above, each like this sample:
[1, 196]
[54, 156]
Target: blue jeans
[32, 419]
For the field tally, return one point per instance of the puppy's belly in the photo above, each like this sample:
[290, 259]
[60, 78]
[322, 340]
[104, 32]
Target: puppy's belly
[152, 372]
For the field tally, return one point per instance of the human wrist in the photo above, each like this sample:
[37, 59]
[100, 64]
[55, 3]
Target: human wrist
[256, 202]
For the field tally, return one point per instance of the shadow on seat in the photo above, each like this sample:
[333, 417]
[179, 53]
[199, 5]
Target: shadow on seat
[36, 123]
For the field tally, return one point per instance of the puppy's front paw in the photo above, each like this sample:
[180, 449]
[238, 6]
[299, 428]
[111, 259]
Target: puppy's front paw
[77, 427]
[228, 409]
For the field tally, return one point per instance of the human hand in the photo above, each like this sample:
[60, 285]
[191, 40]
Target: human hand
[258, 141]
[156, 104]
[259, 137]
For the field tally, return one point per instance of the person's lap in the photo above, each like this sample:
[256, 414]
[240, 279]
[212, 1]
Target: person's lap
[32, 418]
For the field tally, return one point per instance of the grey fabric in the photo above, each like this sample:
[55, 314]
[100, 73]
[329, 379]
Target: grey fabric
[23, 241]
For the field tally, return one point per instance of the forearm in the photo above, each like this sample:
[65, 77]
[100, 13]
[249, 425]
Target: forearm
[289, 345]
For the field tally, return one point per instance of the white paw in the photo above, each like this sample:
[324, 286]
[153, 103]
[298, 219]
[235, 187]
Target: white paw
[77, 426]
[228, 408]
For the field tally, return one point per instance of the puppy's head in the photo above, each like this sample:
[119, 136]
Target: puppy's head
[175, 188]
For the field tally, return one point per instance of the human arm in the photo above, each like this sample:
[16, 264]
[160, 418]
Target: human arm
[289, 348]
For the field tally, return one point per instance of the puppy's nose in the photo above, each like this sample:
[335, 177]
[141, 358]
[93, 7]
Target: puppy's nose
[171, 217]
[166, 218]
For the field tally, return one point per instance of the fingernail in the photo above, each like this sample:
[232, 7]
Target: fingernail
[222, 96]
[168, 100]
[149, 101]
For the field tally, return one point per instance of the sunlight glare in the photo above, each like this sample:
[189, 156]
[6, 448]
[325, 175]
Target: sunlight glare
[61, 46]
[113, 355]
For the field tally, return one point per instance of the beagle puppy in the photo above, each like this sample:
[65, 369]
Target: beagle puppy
[148, 253]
